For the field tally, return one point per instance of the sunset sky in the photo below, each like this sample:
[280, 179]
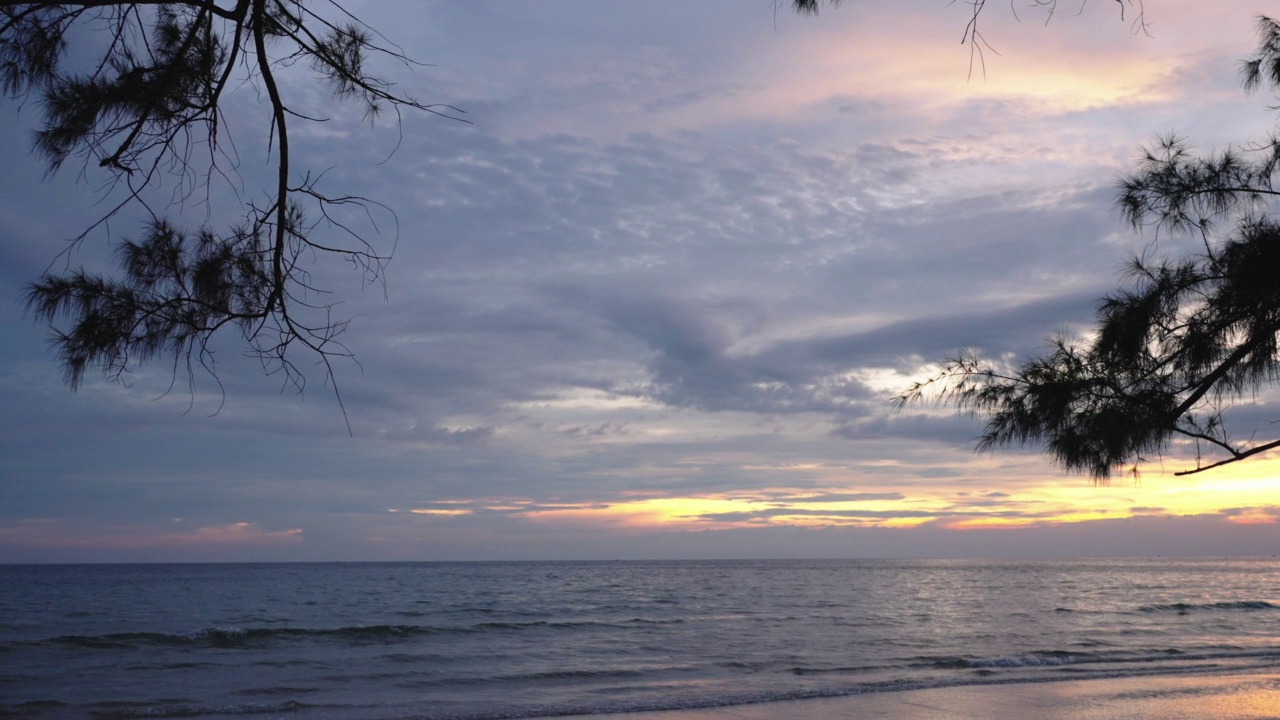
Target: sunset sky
[653, 301]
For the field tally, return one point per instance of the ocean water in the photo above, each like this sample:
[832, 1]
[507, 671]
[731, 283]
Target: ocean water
[363, 641]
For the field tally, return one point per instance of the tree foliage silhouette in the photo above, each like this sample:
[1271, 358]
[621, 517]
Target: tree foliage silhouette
[148, 107]
[1181, 344]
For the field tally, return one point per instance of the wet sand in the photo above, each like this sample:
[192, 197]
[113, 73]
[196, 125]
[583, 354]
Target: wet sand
[1220, 697]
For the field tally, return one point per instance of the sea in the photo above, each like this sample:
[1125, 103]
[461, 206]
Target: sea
[475, 641]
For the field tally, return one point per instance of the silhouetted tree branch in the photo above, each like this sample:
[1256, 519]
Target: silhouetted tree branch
[139, 111]
[1176, 347]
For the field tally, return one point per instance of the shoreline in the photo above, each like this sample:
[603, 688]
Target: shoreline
[1229, 695]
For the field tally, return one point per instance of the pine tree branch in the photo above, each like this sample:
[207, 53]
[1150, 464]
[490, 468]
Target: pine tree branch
[1235, 457]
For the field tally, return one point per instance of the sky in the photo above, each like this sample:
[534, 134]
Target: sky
[654, 298]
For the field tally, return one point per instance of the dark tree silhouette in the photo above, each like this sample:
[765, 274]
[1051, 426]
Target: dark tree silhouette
[148, 108]
[1184, 342]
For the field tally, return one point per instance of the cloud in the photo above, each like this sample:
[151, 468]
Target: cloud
[668, 261]
[841, 497]
[38, 534]
[679, 100]
[765, 514]
[437, 435]
[1253, 515]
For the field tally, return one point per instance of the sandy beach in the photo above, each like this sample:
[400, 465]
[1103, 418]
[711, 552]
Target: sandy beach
[1221, 697]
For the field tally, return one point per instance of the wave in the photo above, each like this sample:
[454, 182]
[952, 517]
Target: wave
[865, 688]
[236, 637]
[1184, 608]
[834, 670]
[1052, 662]
[180, 709]
[1060, 658]
[744, 698]
[163, 709]
[154, 709]
[233, 637]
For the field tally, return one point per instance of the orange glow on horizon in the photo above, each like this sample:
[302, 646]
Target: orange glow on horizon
[1251, 496]
[1252, 517]
[977, 494]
